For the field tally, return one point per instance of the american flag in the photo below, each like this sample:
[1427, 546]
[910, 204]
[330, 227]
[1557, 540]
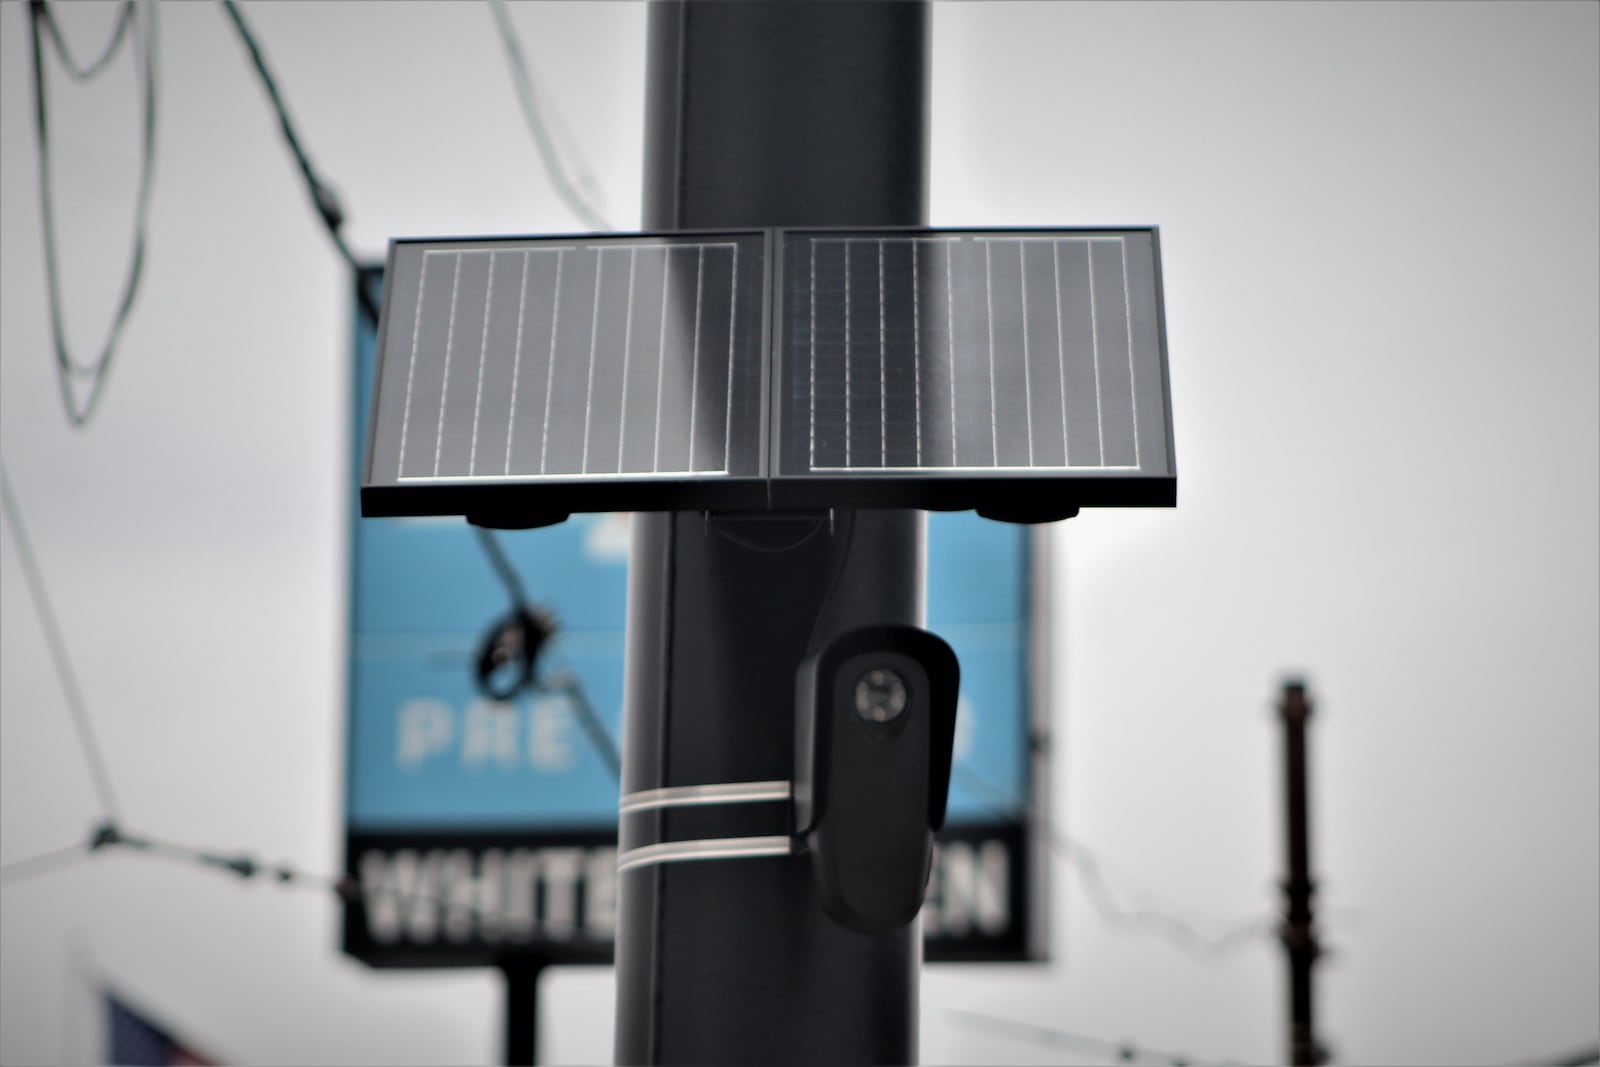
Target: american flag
[135, 1039]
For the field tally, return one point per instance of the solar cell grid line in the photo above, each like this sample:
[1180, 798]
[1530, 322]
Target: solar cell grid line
[516, 359]
[1127, 314]
[411, 367]
[569, 420]
[884, 368]
[496, 363]
[811, 306]
[988, 305]
[916, 342]
[1080, 384]
[694, 349]
[917, 292]
[900, 374]
[459, 410]
[1094, 340]
[1061, 349]
[848, 419]
[950, 338]
[483, 352]
[1115, 373]
[1011, 393]
[1040, 341]
[661, 356]
[436, 287]
[550, 362]
[627, 352]
[733, 333]
[971, 356]
[540, 304]
[608, 347]
[449, 344]
[868, 375]
[675, 385]
[1027, 370]
[717, 315]
[594, 337]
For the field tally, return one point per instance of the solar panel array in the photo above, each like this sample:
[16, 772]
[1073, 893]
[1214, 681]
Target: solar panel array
[908, 368]
[975, 353]
[539, 360]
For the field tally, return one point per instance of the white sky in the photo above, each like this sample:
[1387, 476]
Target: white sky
[1381, 241]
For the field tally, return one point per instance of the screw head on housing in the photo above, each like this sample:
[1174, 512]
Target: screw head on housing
[881, 695]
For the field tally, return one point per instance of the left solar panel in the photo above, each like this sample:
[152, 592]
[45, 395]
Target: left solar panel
[522, 378]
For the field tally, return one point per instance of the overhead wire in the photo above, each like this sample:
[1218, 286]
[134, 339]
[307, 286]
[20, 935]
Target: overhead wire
[496, 554]
[1079, 858]
[82, 72]
[44, 863]
[323, 197]
[565, 682]
[43, 26]
[600, 738]
[246, 867]
[329, 210]
[554, 166]
[1121, 1051]
[1577, 1057]
[65, 673]
[1097, 888]
[568, 683]
[350, 888]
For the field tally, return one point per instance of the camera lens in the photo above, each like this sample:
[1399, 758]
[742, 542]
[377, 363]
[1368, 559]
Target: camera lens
[880, 695]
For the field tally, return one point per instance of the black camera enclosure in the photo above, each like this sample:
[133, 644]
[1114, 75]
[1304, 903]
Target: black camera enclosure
[875, 722]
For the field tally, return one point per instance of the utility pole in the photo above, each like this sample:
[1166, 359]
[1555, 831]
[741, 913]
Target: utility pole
[1298, 931]
[760, 115]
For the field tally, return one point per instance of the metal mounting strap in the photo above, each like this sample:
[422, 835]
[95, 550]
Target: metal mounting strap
[679, 796]
[711, 849]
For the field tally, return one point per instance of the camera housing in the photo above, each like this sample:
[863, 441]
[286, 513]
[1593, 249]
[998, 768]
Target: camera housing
[875, 726]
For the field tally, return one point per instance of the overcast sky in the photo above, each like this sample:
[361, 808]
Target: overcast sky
[1381, 246]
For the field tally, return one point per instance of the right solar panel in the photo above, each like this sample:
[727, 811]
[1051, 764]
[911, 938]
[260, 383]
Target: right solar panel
[1020, 372]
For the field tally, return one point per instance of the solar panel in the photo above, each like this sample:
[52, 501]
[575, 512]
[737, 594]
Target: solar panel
[972, 368]
[593, 372]
[1022, 373]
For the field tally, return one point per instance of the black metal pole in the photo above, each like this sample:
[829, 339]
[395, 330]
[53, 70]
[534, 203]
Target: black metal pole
[761, 114]
[1298, 932]
[522, 1010]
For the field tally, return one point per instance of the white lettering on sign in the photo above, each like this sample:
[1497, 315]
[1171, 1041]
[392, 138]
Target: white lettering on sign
[487, 736]
[512, 895]
[490, 735]
[550, 734]
[427, 728]
[600, 879]
[454, 896]
[522, 888]
[969, 890]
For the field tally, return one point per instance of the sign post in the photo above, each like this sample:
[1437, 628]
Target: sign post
[522, 1009]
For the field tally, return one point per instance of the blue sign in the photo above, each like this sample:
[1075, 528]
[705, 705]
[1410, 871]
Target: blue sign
[444, 783]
